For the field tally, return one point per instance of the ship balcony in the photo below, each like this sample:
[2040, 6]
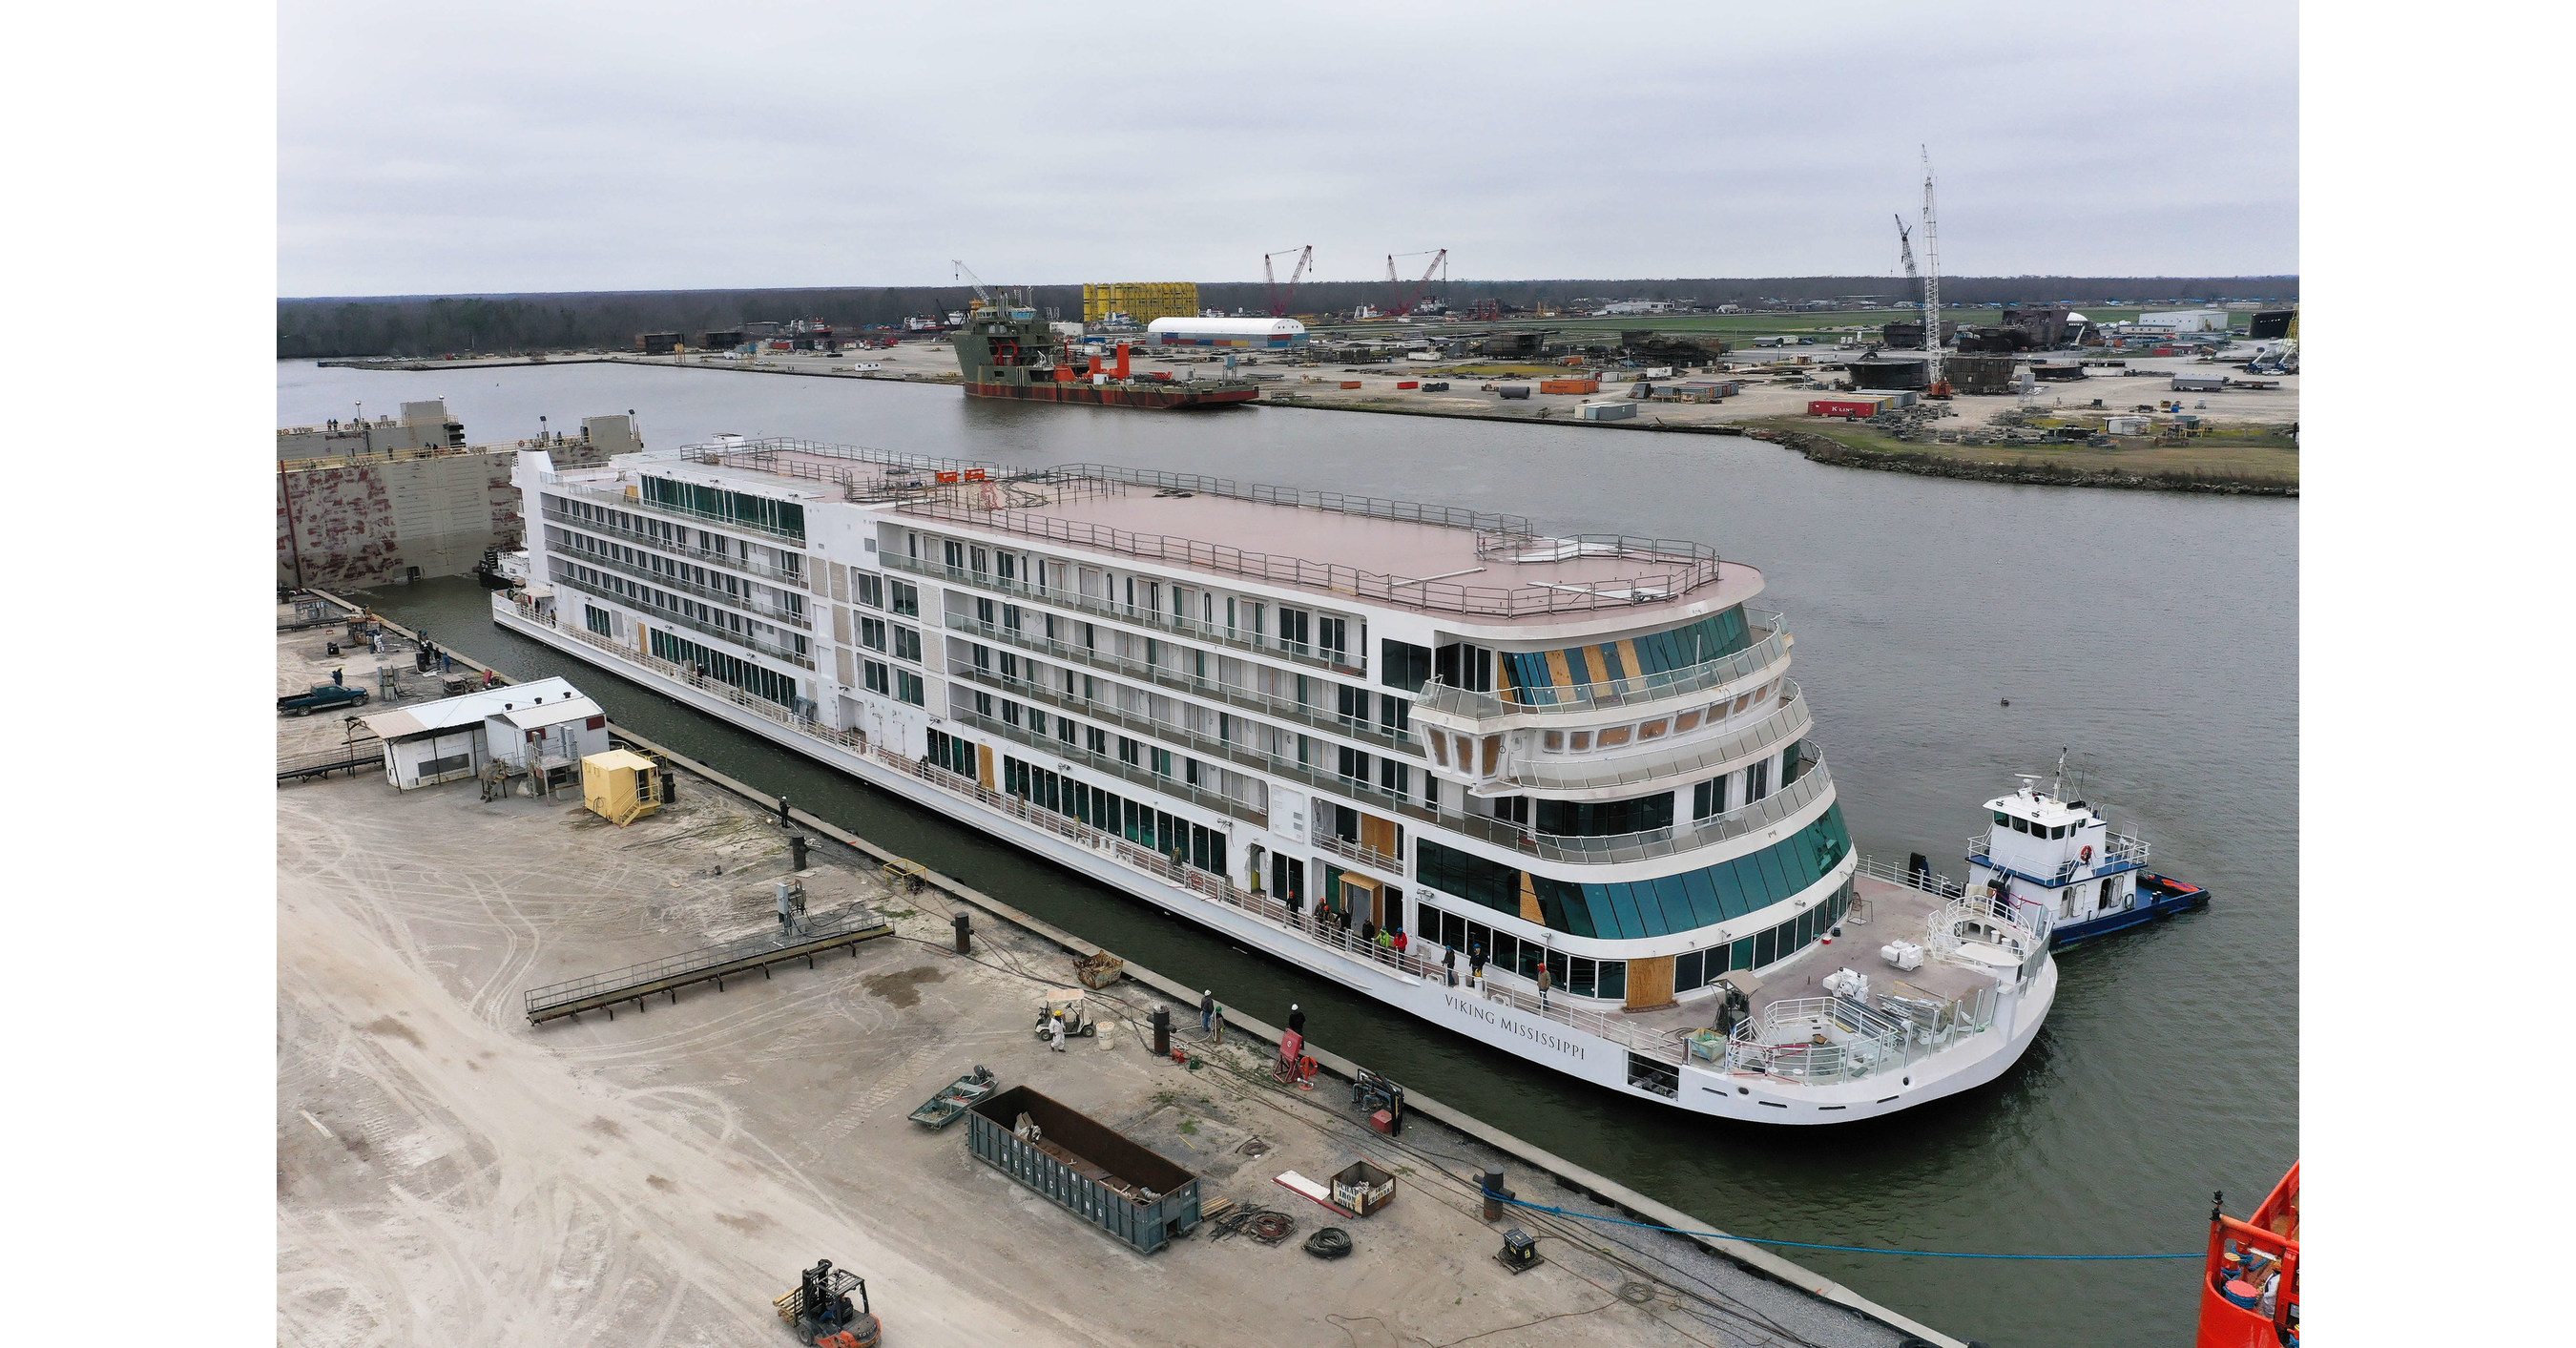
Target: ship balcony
[1146, 620]
[1471, 712]
[1376, 736]
[730, 561]
[728, 598]
[1814, 783]
[663, 615]
[1575, 776]
[694, 518]
[1360, 853]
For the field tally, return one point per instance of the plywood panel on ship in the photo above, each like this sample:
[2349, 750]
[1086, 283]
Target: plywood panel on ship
[1650, 983]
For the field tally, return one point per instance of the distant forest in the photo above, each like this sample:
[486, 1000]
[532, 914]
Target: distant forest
[416, 325]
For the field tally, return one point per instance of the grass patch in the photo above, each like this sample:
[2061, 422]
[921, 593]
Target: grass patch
[2263, 457]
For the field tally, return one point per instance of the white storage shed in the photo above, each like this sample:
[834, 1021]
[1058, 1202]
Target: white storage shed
[548, 725]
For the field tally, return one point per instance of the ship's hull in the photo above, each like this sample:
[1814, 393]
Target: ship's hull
[1553, 1044]
[1177, 396]
[2158, 897]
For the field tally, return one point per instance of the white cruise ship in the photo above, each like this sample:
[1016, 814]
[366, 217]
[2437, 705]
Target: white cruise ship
[1300, 718]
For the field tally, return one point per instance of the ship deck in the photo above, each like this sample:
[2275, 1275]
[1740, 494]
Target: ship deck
[1896, 913]
[1431, 563]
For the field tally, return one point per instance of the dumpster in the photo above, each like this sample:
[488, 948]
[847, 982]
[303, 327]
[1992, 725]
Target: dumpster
[1084, 1167]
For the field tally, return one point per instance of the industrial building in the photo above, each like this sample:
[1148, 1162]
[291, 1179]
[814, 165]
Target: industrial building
[1139, 301]
[1260, 334]
[380, 502]
[2186, 320]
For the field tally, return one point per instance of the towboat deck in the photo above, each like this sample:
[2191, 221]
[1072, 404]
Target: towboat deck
[1896, 913]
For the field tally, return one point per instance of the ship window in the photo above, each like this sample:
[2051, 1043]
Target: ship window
[2020, 825]
[1493, 755]
[1686, 722]
[1439, 748]
[1582, 740]
[1614, 737]
[1651, 730]
[2057, 831]
[1554, 741]
[2003, 819]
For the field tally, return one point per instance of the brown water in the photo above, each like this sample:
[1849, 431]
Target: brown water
[2155, 634]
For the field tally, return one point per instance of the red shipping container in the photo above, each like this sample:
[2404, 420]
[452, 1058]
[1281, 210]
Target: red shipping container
[1408, 383]
[1842, 407]
[1350, 383]
[1569, 386]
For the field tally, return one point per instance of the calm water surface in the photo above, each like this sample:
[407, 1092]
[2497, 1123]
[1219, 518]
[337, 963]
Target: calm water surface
[2155, 635]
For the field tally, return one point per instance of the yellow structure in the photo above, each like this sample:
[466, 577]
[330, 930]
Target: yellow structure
[618, 786]
[1143, 301]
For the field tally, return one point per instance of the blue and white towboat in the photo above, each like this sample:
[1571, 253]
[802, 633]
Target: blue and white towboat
[2062, 856]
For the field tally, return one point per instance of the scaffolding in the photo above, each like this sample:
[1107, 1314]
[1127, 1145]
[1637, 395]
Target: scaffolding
[1140, 301]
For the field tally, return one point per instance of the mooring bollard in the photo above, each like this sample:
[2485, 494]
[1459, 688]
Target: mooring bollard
[796, 851]
[1162, 1032]
[1495, 1193]
[965, 930]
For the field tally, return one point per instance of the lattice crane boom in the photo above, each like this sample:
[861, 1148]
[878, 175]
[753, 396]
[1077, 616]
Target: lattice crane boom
[1281, 303]
[1931, 278]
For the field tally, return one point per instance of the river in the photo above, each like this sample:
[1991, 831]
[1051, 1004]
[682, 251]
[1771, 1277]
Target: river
[2155, 635]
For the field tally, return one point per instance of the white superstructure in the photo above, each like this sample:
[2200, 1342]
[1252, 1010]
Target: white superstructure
[1276, 712]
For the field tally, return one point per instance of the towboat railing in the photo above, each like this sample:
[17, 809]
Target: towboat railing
[1930, 882]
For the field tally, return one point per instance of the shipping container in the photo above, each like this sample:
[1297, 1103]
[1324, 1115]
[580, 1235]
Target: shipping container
[1619, 411]
[1085, 1167]
[1408, 383]
[1350, 383]
[2199, 383]
[2128, 425]
[1844, 407]
[1574, 386]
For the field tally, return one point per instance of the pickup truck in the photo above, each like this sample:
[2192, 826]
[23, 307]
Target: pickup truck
[321, 697]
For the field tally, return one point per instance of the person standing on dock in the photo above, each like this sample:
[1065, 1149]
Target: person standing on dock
[335, 678]
[1207, 1012]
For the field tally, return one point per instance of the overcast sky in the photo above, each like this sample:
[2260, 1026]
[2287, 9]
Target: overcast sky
[465, 147]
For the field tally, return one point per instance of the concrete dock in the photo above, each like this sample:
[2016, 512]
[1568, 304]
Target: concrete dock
[446, 1173]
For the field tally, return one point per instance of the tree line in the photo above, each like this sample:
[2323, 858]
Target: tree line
[436, 325]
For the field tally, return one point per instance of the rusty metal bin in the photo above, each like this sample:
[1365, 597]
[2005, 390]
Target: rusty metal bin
[1086, 1168]
[1362, 1188]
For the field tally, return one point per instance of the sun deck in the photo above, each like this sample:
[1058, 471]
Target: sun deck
[1494, 569]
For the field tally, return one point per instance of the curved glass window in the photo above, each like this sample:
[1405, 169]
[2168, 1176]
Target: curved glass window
[1695, 899]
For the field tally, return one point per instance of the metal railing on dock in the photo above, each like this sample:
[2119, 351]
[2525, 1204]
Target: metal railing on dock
[709, 964]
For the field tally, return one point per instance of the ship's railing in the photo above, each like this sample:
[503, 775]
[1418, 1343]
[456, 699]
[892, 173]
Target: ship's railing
[1366, 856]
[2120, 852]
[1551, 772]
[732, 559]
[732, 599]
[1858, 1039]
[641, 505]
[1134, 614]
[504, 607]
[1234, 695]
[1757, 659]
[696, 624]
[1663, 842]
[1930, 882]
[1691, 564]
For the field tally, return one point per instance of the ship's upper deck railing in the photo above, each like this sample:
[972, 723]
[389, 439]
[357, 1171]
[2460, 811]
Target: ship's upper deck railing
[1685, 565]
[1625, 692]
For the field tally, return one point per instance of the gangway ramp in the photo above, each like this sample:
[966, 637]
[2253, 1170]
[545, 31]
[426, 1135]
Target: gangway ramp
[813, 936]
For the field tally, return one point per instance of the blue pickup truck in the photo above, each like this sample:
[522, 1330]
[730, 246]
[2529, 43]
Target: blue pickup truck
[321, 697]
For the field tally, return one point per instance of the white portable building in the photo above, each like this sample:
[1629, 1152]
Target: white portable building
[548, 721]
[2186, 320]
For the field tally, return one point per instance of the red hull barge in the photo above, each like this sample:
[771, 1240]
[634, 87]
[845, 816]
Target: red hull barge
[1114, 395]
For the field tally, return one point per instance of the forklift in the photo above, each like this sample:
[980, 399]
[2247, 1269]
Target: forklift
[821, 1313]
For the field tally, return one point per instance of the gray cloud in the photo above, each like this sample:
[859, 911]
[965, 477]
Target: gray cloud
[468, 147]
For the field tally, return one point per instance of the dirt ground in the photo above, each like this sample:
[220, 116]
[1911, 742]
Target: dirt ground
[447, 1174]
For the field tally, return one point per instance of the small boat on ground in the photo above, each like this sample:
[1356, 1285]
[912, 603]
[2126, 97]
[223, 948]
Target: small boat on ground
[2061, 855]
[955, 1099]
